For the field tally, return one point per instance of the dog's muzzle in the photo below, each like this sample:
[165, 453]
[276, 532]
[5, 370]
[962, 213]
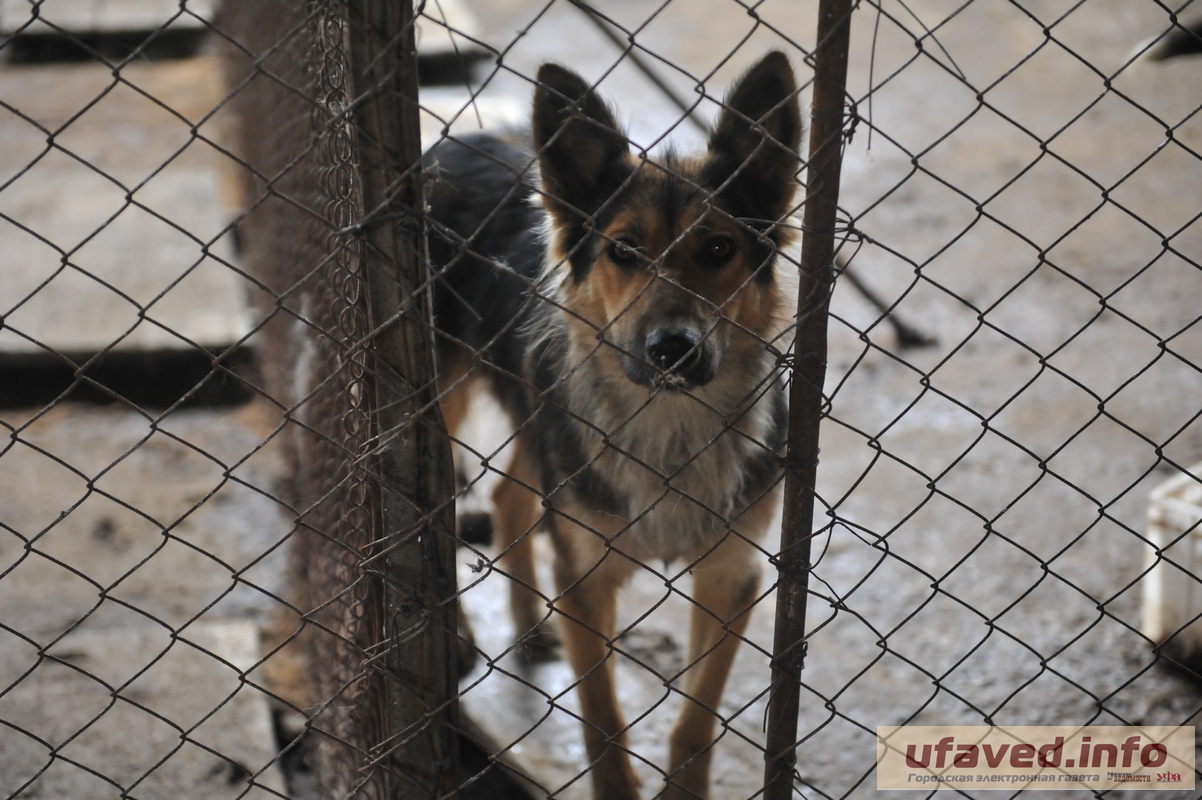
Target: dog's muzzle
[676, 358]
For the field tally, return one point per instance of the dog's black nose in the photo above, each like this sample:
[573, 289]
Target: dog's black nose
[667, 348]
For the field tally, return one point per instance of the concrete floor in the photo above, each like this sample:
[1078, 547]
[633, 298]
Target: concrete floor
[142, 560]
[130, 196]
[139, 554]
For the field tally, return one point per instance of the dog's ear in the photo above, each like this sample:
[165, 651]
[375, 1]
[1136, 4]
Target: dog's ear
[757, 139]
[583, 156]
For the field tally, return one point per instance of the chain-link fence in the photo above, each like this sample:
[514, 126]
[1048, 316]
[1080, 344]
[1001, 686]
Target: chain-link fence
[411, 402]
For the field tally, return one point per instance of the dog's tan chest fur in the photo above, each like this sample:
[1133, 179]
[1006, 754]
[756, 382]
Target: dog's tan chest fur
[676, 463]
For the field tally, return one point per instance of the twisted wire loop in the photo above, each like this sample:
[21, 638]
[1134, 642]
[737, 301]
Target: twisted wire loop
[353, 719]
[316, 366]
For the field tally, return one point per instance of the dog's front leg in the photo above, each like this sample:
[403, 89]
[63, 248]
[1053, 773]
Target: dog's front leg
[516, 516]
[588, 576]
[725, 584]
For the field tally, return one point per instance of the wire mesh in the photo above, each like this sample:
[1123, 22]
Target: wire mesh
[241, 326]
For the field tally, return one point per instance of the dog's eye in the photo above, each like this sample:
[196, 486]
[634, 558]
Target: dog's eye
[623, 254]
[719, 249]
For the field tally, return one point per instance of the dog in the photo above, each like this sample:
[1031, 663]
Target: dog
[630, 316]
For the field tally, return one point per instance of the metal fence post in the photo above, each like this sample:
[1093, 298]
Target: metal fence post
[805, 393]
[416, 556]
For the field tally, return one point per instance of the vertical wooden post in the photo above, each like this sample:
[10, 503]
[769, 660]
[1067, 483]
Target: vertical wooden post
[805, 393]
[418, 751]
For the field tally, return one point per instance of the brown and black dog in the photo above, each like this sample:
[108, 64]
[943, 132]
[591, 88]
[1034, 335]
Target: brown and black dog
[630, 317]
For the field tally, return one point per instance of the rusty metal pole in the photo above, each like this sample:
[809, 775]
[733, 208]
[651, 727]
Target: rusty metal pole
[417, 751]
[805, 393]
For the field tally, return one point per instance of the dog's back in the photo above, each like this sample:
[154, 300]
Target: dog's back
[486, 251]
